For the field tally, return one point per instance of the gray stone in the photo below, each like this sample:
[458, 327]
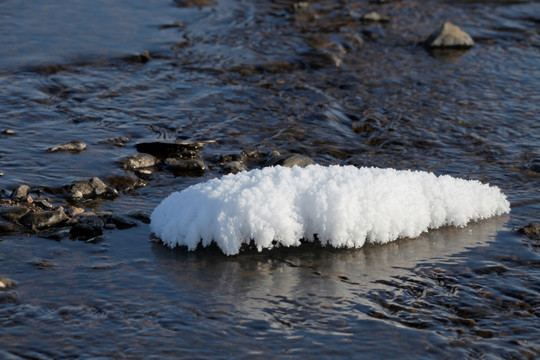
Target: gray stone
[137, 161]
[449, 35]
[91, 188]
[141, 215]
[44, 204]
[73, 146]
[20, 193]
[121, 222]
[9, 132]
[373, 17]
[7, 227]
[297, 160]
[43, 219]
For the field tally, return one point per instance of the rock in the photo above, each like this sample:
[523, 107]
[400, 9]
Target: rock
[1, 173]
[73, 146]
[9, 132]
[137, 161]
[7, 227]
[87, 226]
[163, 150]
[296, 160]
[234, 167]
[20, 193]
[532, 231]
[90, 189]
[13, 213]
[6, 283]
[449, 35]
[121, 222]
[119, 141]
[141, 215]
[186, 166]
[534, 166]
[43, 219]
[125, 182]
[42, 263]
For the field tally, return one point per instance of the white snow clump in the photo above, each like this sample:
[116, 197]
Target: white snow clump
[344, 206]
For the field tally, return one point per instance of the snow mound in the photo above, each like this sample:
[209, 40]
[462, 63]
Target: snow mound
[344, 206]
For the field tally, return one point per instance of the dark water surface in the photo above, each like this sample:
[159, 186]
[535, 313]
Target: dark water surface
[267, 76]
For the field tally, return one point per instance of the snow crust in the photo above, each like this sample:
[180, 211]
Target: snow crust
[344, 206]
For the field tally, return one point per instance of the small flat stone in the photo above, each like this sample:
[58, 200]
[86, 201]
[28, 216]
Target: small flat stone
[91, 188]
[121, 222]
[449, 35]
[167, 150]
[9, 132]
[44, 204]
[373, 16]
[141, 215]
[137, 161]
[87, 226]
[73, 146]
[13, 213]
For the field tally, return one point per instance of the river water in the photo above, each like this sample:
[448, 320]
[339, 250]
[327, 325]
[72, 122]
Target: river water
[271, 76]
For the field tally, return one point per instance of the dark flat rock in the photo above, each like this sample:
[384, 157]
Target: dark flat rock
[43, 219]
[164, 149]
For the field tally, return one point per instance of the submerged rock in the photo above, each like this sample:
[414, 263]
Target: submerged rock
[296, 160]
[138, 161]
[13, 213]
[43, 219]
[532, 231]
[9, 132]
[73, 146]
[7, 227]
[141, 215]
[449, 35]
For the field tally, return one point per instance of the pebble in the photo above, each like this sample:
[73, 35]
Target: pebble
[9, 132]
[137, 161]
[449, 35]
[373, 16]
[20, 193]
[6, 283]
[73, 146]
[43, 219]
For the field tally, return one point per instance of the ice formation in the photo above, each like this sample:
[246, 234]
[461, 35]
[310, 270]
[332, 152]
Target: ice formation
[344, 206]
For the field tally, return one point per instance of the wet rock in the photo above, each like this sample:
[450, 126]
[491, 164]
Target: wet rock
[234, 167]
[449, 35]
[42, 263]
[186, 166]
[6, 283]
[125, 182]
[329, 54]
[121, 222]
[142, 216]
[87, 226]
[119, 141]
[13, 213]
[137, 161]
[297, 160]
[9, 132]
[532, 231]
[534, 166]
[7, 227]
[73, 146]
[1, 173]
[193, 3]
[43, 219]
[163, 150]
[20, 193]
[91, 189]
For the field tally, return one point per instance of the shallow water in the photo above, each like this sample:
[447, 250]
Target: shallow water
[246, 75]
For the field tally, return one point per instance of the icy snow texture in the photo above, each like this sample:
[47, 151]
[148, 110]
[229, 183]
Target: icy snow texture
[344, 206]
